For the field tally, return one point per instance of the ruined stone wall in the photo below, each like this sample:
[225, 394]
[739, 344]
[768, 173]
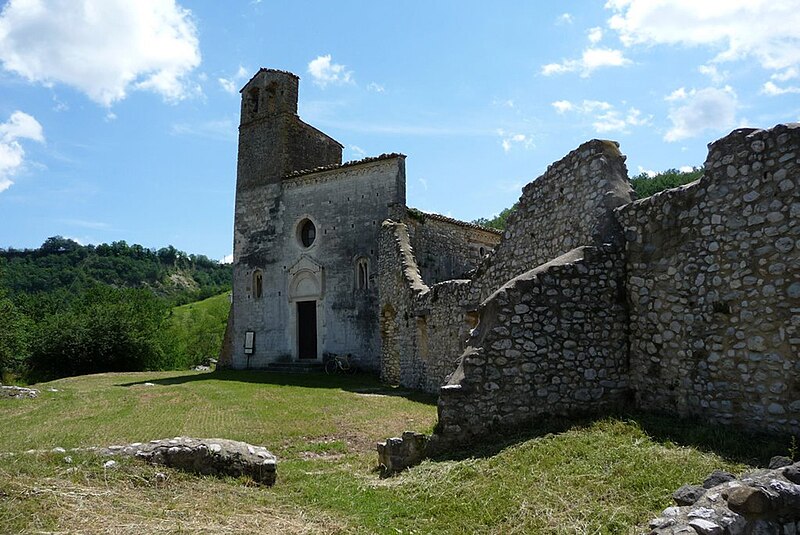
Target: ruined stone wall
[568, 206]
[550, 341]
[714, 286]
[423, 329]
[445, 248]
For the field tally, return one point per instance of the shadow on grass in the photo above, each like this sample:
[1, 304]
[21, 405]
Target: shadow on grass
[360, 383]
[731, 443]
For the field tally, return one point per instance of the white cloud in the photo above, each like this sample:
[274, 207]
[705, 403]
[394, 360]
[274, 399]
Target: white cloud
[562, 106]
[564, 18]
[512, 139]
[325, 72]
[227, 259]
[228, 85]
[12, 156]
[788, 74]
[697, 110]
[357, 151]
[375, 87]
[595, 34]
[771, 89]
[423, 183]
[712, 72]
[103, 48]
[605, 117]
[686, 169]
[678, 94]
[766, 30]
[231, 84]
[648, 172]
[591, 60]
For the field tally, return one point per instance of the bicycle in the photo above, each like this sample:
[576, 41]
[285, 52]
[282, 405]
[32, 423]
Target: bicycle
[340, 364]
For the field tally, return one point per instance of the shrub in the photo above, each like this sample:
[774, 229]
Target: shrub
[105, 329]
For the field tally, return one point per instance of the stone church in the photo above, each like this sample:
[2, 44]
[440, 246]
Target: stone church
[306, 232]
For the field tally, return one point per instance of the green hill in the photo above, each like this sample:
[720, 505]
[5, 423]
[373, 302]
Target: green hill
[64, 266]
[198, 328]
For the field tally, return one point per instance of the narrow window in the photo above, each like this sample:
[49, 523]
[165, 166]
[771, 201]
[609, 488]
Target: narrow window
[258, 284]
[252, 96]
[362, 274]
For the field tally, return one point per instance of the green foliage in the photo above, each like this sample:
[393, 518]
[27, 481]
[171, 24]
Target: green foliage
[103, 329]
[645, 185]
[61, 263]
[499, 221]
[197, 329]
[14, 330]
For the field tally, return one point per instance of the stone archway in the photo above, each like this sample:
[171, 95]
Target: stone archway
[305, 294]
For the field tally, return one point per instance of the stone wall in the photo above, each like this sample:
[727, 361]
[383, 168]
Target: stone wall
[568, 206]
[423, 328]
[346, 203]
[445, 248]
[550, 341]
[714, 286]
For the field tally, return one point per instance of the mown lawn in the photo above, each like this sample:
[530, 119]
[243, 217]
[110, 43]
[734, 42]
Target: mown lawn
[607, 475]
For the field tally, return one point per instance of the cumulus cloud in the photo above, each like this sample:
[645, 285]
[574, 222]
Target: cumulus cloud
[564, 18]
[562, 106]
[772, 89]
[511, 139]
[231, 84]
[12, 156]
[768, 31]
[591, 60]
[697, 110]
[605, 116]
[104, 48]
[325, 72]
[713, 72]
[595, 35]
[227, 259]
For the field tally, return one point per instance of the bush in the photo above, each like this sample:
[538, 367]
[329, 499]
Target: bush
[646, 185]
[105, 330]
[14, 329]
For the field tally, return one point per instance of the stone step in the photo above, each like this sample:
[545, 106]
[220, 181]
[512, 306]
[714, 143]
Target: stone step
[295, 367]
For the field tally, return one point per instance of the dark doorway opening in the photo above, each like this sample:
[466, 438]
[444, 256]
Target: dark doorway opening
[307, 329]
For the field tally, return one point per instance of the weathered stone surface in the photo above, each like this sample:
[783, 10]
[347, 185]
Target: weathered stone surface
[762, 502]
[713, 289]
[18, 392]
[748, 501]
[718, 477]
[688, 494]
[207, 456]
[779, 461]
[398, 453]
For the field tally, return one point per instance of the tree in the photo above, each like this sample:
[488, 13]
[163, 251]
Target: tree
[499, 221]
[14, 332]
[646, 185]
[106, 329]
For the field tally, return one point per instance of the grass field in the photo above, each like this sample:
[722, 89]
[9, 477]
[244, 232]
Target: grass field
[197, 328]
[607, 475]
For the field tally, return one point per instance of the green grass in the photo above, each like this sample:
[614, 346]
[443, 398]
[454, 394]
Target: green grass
[607, 475]
[198, 328]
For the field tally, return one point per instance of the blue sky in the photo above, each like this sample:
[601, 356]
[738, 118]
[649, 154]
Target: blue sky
[118, 119]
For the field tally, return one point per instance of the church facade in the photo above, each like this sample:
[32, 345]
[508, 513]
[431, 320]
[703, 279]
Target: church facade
[306, 226]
